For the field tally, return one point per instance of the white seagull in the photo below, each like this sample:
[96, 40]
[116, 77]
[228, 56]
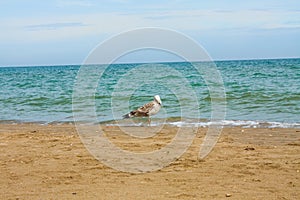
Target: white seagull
[146, 110]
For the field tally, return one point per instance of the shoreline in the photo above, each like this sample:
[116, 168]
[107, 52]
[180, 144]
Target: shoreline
[173, 121]
[51, 162]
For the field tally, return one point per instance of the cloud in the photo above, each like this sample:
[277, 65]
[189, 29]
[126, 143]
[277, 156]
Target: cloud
[214, 20]
[109, 23]
[68, 3]
[53, 26]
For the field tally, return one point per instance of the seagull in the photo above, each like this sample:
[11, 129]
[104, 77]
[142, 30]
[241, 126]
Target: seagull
[146, 110]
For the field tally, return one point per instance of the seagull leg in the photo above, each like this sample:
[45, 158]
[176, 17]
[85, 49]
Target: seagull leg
[149, 120]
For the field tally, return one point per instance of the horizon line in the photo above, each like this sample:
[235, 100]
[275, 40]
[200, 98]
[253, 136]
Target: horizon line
[152, 62]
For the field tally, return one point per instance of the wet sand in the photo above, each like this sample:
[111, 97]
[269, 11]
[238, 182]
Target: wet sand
[50, 162]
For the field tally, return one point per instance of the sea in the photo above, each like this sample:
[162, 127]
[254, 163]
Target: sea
[256, 93]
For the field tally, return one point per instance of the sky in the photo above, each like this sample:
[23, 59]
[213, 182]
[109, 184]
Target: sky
[35, 32]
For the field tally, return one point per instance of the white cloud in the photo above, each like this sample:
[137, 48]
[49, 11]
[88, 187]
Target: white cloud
[85, 25]
[68, 3]
[28, 30]
[53, 26]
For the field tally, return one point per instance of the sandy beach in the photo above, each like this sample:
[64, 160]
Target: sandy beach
[50, 162]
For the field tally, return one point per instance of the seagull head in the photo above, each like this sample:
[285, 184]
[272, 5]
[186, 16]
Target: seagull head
[157, 99]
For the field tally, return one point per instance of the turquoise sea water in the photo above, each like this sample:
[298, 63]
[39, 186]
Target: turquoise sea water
[258, 92]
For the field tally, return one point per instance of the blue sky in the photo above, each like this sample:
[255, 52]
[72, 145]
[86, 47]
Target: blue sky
[64, 31]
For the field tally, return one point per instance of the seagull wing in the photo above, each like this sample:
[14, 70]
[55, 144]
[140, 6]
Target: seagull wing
[145, 109]
[142, 111]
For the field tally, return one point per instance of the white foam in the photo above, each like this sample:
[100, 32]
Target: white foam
[283, 125]
[224, 123]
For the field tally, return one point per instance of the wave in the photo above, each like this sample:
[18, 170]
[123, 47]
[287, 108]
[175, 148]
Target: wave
[173, 121]
[206, 124]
